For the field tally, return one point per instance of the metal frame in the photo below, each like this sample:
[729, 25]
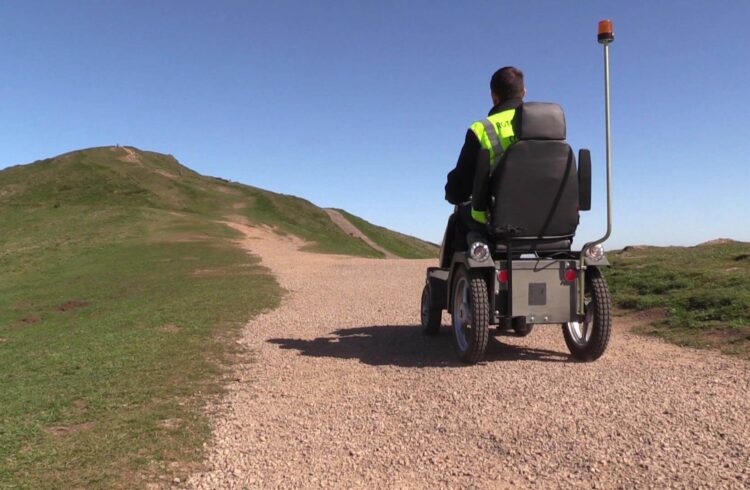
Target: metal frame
[608, 138]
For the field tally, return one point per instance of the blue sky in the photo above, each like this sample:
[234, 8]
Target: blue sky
[364, 105]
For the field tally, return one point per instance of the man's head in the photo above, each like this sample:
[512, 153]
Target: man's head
[507, 83]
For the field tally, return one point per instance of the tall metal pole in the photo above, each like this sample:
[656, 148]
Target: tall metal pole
[608, 136]
[606, 37]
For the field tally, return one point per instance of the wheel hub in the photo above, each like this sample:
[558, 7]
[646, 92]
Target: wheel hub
[462, 319]
[580, 331]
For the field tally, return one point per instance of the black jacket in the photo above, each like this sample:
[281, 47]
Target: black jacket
[461, 178]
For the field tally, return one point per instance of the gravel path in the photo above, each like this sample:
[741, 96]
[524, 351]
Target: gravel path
[345, 392]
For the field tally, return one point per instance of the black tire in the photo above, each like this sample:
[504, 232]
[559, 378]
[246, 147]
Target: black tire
[471, 316]
[588, 340]
[523, 330]
[431, 317]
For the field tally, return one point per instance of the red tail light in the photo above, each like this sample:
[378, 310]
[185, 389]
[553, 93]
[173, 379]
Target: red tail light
[571, 274]
[502, 275]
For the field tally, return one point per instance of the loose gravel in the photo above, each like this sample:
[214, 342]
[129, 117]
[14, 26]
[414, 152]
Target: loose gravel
[346, 392]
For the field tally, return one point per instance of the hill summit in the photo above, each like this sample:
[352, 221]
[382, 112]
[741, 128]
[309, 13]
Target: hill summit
[717, 241]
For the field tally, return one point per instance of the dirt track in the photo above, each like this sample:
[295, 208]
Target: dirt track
[345, 392]
[352, 230]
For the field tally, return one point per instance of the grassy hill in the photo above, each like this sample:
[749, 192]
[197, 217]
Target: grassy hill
[130, 178]
[121, 293]
[397, 243]
[700, 295]
[127, 177]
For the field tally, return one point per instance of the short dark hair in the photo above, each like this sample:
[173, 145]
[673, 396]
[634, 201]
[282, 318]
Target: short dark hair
[507, 83]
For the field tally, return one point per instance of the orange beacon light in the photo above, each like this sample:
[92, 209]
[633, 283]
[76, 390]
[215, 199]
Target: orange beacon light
[606, 32]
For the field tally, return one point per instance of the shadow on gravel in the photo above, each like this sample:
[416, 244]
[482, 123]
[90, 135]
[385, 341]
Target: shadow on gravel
[406, 346]
[498, 351]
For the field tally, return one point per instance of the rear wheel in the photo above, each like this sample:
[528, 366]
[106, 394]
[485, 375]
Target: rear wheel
[431, 317]
[587, 338]
[471, 315]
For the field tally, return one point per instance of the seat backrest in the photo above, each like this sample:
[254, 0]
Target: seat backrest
[534, 187]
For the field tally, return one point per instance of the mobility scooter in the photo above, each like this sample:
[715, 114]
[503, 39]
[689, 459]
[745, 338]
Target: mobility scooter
[521, 270]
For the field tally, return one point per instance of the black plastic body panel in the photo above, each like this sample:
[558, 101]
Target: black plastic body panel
[584, 180]
[437, 278]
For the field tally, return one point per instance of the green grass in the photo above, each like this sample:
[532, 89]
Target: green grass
[116, 322]
[121, 295]
[703, 292]
[398, 244]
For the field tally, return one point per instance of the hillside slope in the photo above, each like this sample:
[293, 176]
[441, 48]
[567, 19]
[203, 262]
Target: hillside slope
[697, 296]
[396, 243]
[126, 176]
[131, 178]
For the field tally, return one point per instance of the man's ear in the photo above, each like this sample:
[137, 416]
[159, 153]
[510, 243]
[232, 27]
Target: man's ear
[524, 92]
[495, 98]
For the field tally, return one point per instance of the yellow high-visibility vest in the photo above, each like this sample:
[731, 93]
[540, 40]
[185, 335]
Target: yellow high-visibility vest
[495, 134]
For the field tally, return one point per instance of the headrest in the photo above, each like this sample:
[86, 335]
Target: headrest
[540, 121]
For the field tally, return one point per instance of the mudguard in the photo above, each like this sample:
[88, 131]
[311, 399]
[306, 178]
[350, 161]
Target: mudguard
[437, 278]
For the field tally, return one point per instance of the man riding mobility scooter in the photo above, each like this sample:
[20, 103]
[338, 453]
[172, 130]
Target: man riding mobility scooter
[522, 271]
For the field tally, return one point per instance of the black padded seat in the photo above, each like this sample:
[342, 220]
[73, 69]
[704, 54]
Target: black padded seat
[532, 193]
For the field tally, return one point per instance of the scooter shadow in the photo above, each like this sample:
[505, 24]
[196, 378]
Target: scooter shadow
[406, 346]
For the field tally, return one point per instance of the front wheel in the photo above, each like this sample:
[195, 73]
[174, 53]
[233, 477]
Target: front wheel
[471, 316]
[587, 338]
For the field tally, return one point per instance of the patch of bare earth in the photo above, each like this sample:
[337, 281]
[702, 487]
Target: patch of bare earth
[79, 406]
[10, 189]
[717, 241]
[171, 424]
[351, 230]
[239, 219]
[63, 430]
[224, 189]
[627, 319]
[30, 319]
[346, 392]
[130, 154]
[166, 174]
[72, 305]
